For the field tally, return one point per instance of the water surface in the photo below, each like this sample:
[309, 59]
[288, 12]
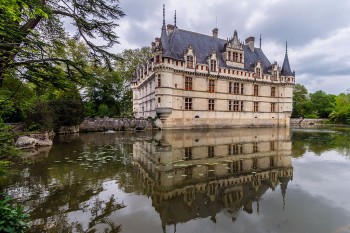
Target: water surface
[237, 180]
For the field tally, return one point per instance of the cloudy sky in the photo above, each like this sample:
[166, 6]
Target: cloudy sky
[318, 32]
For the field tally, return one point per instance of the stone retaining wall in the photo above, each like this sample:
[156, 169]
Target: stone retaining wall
[305, 122]
[117, 124]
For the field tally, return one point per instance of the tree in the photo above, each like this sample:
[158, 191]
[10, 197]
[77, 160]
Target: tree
[32, 36]
[341, 113]
[109, 93]
[322, 104]
[300, 98]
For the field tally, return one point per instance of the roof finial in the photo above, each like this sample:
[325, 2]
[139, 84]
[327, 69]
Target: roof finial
[164, 15]
[286, 47]
[216, 22]
[175, 18]
[260, 41]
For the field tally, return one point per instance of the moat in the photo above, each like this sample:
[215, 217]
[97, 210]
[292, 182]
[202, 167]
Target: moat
[227, 180]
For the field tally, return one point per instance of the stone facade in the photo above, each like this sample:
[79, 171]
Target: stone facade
[195, 80]
[226, 169]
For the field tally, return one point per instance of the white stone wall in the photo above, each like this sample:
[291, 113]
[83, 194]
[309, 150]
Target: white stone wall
[172, 94]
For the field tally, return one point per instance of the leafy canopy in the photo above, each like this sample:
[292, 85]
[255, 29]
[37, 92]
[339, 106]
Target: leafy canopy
[33, 38]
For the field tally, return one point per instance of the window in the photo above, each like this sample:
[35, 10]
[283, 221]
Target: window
[159, 81]
[188, 153]
[236, 106]
[157, 59]
[255, 147]
[229, 56]
[258, 72]
[240, 58]
[211, 152]
[212, 65]
[188, 83]
[272, 161]
[211, 104]
[211, 87]
[256, 90]
[159, 100]
[230, 87]
[242, 88]
[188, 103]
[235, 149]
[256, 107]
[273, 91]
[235, 88]
[189, 60]
[275, 75]
[273, 107]
[272, 145]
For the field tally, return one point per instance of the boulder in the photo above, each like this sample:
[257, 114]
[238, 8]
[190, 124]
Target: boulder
[26, 142]
[34, 140]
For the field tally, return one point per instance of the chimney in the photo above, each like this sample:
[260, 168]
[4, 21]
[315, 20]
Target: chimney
[250, 42]
[170, 28]
[157, 40]
[215, 33]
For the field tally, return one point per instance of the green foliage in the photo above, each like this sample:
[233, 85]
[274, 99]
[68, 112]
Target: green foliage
[7, 147]
[12, 219]
[33, 38]
[313, 105]
[4, 166]
[103, 110]
[341, 113]
[300, 95]
[39, 115]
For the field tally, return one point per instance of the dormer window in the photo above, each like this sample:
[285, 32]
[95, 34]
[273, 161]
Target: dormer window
[213, 65]
[189, 61]
[275, 75]
[258, 74]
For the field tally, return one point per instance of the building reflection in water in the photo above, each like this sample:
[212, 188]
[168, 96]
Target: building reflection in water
[197, 174]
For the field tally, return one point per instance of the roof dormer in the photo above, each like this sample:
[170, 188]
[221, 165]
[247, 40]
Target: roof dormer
[213, 62]
[190, 58]
[234, 52]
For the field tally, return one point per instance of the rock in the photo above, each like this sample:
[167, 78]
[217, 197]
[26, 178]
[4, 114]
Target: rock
[26, 142]
[34, 140]
[68, 129]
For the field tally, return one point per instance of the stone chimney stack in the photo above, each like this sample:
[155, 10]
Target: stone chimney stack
[157, 40]
[250, 42]
[170, 28]
[215, 33]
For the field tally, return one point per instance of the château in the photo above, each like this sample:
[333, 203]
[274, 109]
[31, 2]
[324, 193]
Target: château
[202, 81]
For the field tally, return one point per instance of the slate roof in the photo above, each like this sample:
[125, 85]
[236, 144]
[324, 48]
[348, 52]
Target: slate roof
[286, 71]
[203, 45]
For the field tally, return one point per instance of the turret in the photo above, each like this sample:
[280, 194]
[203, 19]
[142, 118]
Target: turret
[286, 71]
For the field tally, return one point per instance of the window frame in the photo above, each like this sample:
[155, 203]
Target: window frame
[188, 83]
[188, 103]
[211, 104]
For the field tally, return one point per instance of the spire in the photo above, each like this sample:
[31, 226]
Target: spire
[163, 27]
[286, 71]
[164, 36]
[260, 42]
[175, 19]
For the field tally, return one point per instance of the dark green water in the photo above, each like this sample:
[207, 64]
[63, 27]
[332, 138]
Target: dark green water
[239, 180]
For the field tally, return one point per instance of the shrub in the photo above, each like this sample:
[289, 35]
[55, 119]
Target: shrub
[68, 112]
[39, 115]
[12, 219]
